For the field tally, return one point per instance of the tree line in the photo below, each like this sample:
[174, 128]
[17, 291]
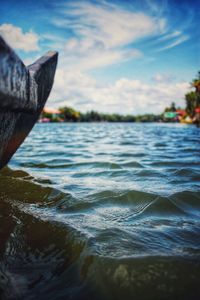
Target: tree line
[69, 114]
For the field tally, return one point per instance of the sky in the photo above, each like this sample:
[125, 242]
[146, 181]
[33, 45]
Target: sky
[128, 57]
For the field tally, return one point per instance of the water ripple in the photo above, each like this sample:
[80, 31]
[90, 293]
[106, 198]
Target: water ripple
[102, 211]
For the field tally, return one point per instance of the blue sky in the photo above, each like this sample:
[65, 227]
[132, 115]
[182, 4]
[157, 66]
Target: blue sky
[114, 56]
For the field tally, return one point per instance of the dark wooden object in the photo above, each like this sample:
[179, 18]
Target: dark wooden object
[23, 94]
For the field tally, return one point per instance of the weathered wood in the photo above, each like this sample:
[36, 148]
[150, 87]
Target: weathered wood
[23, 93]
[14, 81]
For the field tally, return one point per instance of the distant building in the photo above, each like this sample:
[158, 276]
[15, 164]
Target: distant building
[52, 111]
[170, 116]
[181, 112]
[50, 115]
[196, 118]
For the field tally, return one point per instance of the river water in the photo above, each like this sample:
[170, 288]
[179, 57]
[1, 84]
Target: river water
[102, 211]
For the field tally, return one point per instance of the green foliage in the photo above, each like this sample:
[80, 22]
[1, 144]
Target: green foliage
[193, 98]
[191, 102]
[172, 108]
[47, 115]
[147, 118]
[71, 115]
[196, 83]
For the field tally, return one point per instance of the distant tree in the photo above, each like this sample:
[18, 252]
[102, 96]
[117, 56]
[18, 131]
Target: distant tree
[193, 98]
[172, 107]
[196, 83]
[129, 118]
[70, 114]
[191, 102]
[46, 115]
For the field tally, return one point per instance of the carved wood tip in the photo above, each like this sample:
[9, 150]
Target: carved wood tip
[20, 86]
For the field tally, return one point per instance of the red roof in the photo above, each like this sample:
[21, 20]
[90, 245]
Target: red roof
[51, 110]
[197, 110]
[181, 112]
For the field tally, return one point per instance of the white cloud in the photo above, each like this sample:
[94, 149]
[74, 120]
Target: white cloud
[105, 34]
[111, 26]
[102, 33]
[171, 35]
[163, 78]
[96, 58]
[175, 43]
[125, 96]
[17, 39]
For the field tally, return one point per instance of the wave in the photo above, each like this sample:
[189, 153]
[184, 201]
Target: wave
[171, 163]
[57, 164]
[103, 244]
[24, 183]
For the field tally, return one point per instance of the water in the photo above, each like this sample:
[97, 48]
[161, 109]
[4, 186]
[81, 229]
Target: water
[102, 211]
